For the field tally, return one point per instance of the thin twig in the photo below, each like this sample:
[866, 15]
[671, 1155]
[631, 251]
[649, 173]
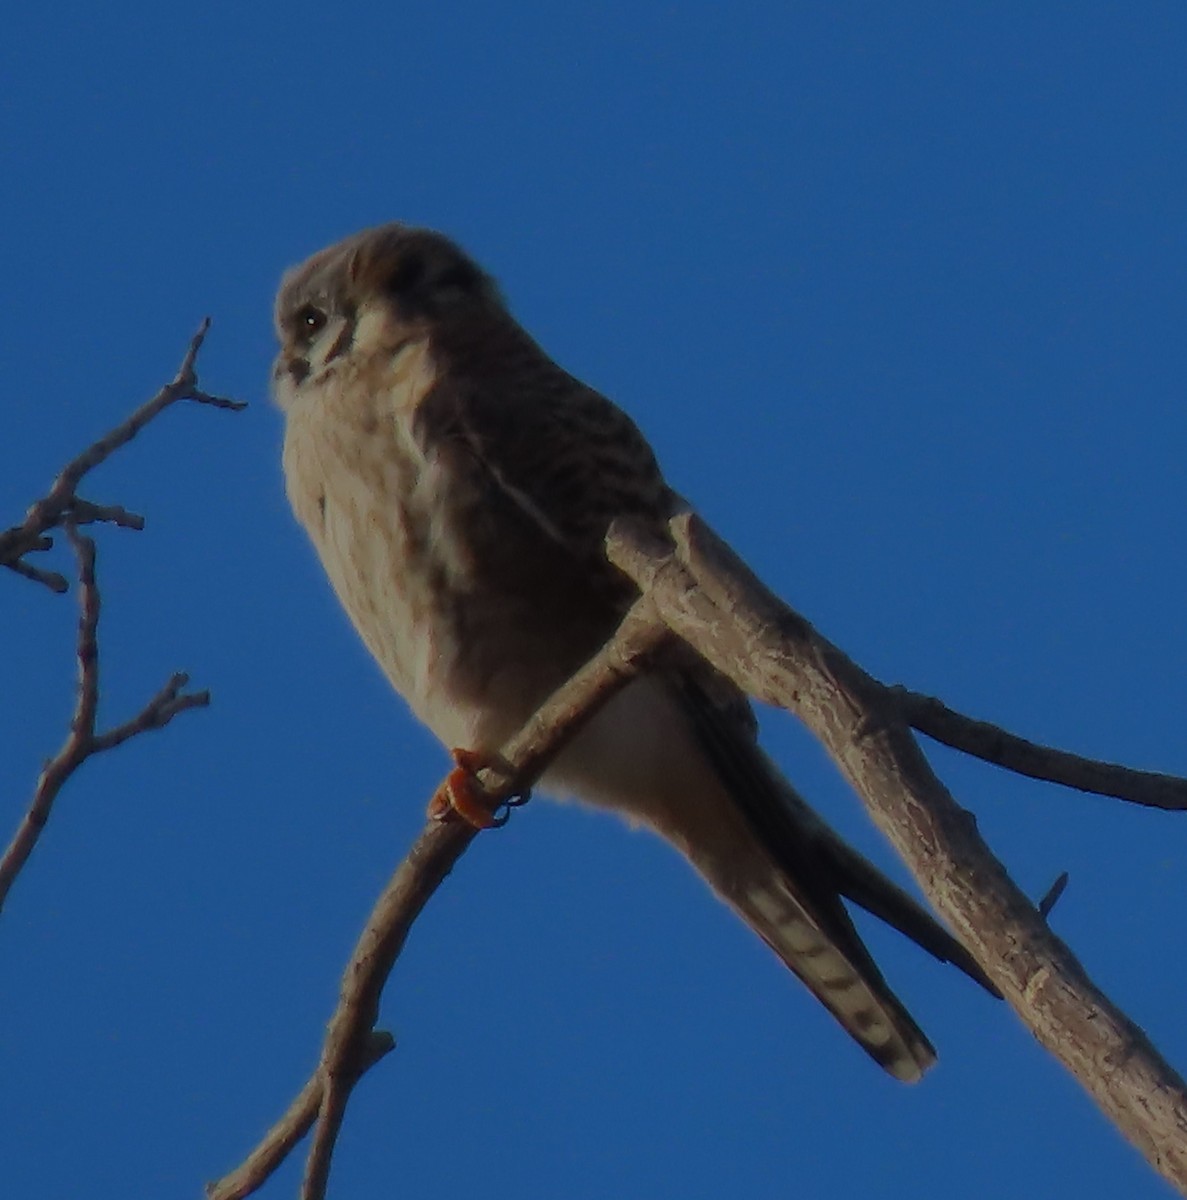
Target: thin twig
[1052, 894]
[336, 1090]
[82, 741]
[993, 744]
[429, 861]
[156, 714]
[63, 507]
[200, 397]
[51, 579]
[49, 512]
[83, 512]
[287, 1133]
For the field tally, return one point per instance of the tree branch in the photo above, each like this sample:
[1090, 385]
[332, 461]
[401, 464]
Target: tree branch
[995, 745]
[710, 598]
[285, 1135]
[62, 499]
[348, 1050]
[62, 507]
[82, 741]
[706, 596]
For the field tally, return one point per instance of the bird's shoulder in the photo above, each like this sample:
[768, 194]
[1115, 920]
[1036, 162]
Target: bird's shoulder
[559, 449]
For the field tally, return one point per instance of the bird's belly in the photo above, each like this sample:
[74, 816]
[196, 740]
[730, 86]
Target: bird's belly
[465, 650]
[402, 588]
[472, 621]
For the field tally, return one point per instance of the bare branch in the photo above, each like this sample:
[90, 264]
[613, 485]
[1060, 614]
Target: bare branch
[707, 597]
[51, 579]
[200, 397]
[280, 1140]
[995, 745]
[82, 741]
[63, 507]
[713, 601]
[336, 1091]
[83, 512]
[348, 1038]
[156, 714]
[62, 499]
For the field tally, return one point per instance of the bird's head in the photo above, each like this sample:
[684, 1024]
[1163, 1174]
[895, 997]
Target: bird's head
[372, 295]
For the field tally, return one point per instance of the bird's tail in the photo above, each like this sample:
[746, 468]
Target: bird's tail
[796, 908]
[846, 983]
[668, 758]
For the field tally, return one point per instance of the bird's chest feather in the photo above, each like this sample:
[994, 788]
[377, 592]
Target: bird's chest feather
[387, 516]
[473, 611]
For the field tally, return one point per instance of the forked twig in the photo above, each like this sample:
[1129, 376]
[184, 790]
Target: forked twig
[82, 740]
[30, 536]
[62, 507]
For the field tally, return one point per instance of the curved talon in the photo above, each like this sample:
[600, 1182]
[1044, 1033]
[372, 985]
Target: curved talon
[502, 814]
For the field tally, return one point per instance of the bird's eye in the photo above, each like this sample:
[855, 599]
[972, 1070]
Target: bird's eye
[310, 319]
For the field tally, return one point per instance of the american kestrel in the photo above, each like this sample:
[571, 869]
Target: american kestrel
[458, 485]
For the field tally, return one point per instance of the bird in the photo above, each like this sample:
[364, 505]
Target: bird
[458, 485]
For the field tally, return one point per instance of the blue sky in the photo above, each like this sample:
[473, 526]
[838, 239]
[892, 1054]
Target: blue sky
[896, 291]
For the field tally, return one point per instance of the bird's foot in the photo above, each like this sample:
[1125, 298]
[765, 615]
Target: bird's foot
[461, 793]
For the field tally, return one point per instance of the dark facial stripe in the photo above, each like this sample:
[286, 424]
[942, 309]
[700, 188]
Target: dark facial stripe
[343, 341]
